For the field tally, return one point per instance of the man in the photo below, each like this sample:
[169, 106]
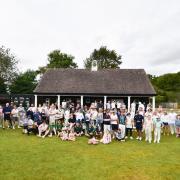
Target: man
[7, 113]
[122, 121]
[138, 121]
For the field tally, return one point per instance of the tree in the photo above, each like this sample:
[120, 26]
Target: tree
[57, 59]
[24, 83]
[2, 86]
[105, 58]
[8, 65]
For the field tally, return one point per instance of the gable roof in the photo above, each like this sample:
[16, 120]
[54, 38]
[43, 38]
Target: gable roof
[105, 81]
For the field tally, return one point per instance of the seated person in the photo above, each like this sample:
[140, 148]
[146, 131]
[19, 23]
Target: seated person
[106, 137]
[31, 127]
[78, 129]
[93, 140]
[119, 135]
[64, 135]
[42, 128]
[91, 131]
[71, 136]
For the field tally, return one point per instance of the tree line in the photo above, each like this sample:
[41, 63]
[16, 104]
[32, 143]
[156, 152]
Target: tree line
[13, 81]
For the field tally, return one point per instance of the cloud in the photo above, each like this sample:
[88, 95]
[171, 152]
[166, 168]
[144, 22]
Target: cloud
[145, 33]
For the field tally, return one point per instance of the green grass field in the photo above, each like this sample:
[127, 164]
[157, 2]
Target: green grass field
[30, 157]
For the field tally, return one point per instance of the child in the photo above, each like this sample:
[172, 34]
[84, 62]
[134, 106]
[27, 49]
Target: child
[139, 120]
[78, 129]
[93, 140]
[148, 126]
[129, 125]
[157, 129]
[106, 137]
[177, 124]
[92, 130]
[119, 135]
[72, 136]
[65, 135]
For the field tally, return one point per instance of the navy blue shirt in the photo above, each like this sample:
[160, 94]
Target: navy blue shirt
[7, 110]
[138, 119]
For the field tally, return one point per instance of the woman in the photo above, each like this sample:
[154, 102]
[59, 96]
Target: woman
[106, 120]
[52, 115]
[14, 115]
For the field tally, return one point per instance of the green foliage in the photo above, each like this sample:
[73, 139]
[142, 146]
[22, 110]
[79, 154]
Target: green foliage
[105, 58]
[24, 83]
[57, 59]
[30, 157]
[167, 87]
[8, 65]
[2, 86]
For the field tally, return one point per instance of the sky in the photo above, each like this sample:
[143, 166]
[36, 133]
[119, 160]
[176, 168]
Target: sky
[145, 32]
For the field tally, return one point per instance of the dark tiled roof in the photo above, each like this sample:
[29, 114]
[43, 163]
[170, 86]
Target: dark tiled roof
[106, 81]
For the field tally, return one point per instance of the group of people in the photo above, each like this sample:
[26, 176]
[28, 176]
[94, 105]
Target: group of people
[99, 124]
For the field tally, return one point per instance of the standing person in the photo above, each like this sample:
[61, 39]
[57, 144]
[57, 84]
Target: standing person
[122, 121]
[21, 111]
[165, 120]
[40, 108]
[138, 121]
[108, 105]
[52, 115]
[99, 122]
[177, 124]
[94, 114]
[106, 121]
[172, 118]
[7, 115]
[15, 116]
[133, 109]
[114, 123]
[87, 120]
[1, 116]
[129, 125]
[157, 129]
[113, 104]
[148, 126]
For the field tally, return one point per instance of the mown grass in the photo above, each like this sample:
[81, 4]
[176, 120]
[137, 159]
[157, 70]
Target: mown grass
[30, 157]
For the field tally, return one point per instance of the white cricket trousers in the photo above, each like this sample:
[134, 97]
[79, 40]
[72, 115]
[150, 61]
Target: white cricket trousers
[172, 128]
[123, 130]
[148, 133]
[157, 134]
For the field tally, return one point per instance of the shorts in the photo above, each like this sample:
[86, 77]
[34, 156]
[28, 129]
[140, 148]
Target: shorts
[15, 118]
[114, 127]
[139, 128]
[165, 123]
[7, 117]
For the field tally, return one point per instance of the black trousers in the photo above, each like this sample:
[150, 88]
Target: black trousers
[128, 130]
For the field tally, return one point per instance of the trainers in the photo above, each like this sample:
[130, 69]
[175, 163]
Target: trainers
[140, 138]
[137, 138]
[126, 137]
[131, 137]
